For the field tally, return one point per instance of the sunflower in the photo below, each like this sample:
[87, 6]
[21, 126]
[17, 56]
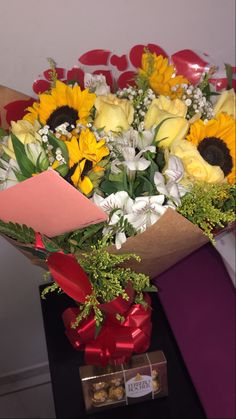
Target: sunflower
[62, 104]
[215, 141]
[161, 76]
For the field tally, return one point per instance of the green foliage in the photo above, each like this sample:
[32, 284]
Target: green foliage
[142, 80]
[109, 279]
[25, 164]
[3, 133]
[18, 232]
[209, 206]
[56, 143]
[49, 289]
[229, 74]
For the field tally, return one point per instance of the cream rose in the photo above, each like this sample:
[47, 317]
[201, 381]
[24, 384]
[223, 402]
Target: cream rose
[25, 132]
[196, 168]
[226, 103]
[171, 113]
[113, 114]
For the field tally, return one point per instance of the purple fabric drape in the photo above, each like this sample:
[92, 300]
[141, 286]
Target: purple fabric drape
[198, 297]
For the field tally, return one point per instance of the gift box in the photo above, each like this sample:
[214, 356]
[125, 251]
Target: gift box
[144, 378]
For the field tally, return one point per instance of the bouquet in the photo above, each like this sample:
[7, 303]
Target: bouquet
[108, 186]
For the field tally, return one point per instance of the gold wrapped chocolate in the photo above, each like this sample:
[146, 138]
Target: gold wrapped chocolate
[144, 378]
[99, 386]
[100, 396]
[116, 382]
[154, 374]
[116, 393]
[155, 385]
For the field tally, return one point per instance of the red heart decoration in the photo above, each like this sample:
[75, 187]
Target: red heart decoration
[60, 73]
[95, 57]
[136, 52]
[16, 110]
[120, 62]
[189, 64]
[77, 75]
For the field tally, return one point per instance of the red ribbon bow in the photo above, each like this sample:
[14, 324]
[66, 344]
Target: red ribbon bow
[116, 341]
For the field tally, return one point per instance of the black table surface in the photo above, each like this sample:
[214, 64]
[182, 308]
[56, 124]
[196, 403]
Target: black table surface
[64, 362]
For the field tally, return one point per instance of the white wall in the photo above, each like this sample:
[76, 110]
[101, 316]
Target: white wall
[31, 31]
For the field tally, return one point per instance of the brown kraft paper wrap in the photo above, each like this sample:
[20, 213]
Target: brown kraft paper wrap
[162, 245]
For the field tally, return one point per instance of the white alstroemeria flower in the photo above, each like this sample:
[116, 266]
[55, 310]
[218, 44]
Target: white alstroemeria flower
[97, 83]
[120, 236]
[171, 189]
[7, 174]
[135, 161]
[145, 139]
[132, 138]
[146, 211]
[119, 200]
[115, 166]
[122, 203]
[33, 151]
[175, 169]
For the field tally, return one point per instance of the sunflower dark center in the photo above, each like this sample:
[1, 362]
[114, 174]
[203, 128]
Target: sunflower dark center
[215, 152]
[61, 115]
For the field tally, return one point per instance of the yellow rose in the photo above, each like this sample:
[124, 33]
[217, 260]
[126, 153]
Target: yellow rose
[113, 114]
[25, 132]
[226, 103]
[196, 168]
[173, 113]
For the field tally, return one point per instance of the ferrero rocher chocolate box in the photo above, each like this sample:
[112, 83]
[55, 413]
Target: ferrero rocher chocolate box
[144, 378]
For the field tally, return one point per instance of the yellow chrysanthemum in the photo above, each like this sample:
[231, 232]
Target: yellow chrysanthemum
[86, 147]
[215, 141]
[161, 75]
[80, 180]
[85, 154]
[62, 104]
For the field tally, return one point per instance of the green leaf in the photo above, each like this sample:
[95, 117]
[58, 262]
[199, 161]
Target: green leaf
[5, 157]
[19, 232]
[152, 288]
[62, 169]
[159, 126]
[42, 164]
[19, 176]
[26, 166]
[40, 254]
[55, 142]
[3, 133]
[229, 74]
[50, 245]
[98, 329]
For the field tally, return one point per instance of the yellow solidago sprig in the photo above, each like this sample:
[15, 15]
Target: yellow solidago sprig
[108, 277]
[156, 73]
[209, 206]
